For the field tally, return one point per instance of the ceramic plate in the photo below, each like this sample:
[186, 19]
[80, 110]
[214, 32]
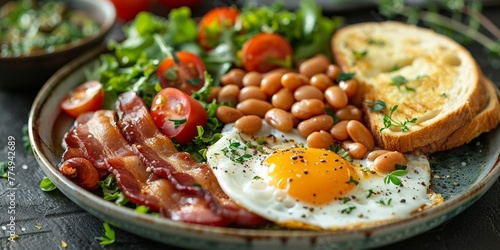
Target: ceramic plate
[461, 175]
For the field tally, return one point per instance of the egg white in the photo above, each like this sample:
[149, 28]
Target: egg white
[237, 161]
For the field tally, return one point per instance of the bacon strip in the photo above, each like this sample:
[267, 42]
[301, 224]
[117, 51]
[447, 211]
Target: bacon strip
[97, 138]
[180, 168]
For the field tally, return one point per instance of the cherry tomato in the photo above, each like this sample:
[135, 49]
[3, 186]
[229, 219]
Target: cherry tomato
[177, 114]
[84, 98]
[126, 10]
[171, 4]
[187, 76]
[265, 52]
[222, 16]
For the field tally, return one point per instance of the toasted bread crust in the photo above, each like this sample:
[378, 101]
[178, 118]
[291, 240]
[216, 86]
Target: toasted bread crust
[441, 87]
[486, 119]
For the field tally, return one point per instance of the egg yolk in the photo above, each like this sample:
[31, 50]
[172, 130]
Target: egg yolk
[311, 175]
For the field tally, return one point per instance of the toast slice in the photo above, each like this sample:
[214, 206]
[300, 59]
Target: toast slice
[433, 81]
[487, 119]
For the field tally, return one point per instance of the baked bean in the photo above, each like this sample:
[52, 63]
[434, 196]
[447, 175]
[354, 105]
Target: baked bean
[254, 107]
[249, 92]
[359, 133]
[320, 81]
[339, 131]
[387, 162]
[214, 93]
[296, 121]
[252, 79]
[349, 112]
[279, 119]
[228, 114]
[355, 149]
[374, 154]
[307, 108]
[321, 139]
[316, 123]
[280, 71]
[229, 93]
[283, 99]
[350, 87]
[293, 80]
[315, 65]
[234, 76]
[308, 92]
[333, 71]
[336, 97]
[271, 83]
[249, 124]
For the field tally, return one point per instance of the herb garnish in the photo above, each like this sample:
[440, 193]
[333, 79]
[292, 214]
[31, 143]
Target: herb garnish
[178, 122]
[370, 193]
[345, 77]
[359, 54]
[352, 180]
[336, 148]
[376, 106]
[235, 152]
[329, 111]
[384, 203]
[46, 185]
[400, 81]
[347, 210]
[389, 122]
[4, 169]
[109, 237]
[111, 191]
[345, 199]
[394, 175]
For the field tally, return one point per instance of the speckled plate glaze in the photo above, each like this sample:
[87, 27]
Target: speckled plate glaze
[461, 175]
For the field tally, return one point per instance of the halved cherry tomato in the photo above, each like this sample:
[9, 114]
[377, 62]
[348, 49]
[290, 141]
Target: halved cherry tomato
[265, 52]
[177, 114]
[126, 10]
[216, 18]
[85, 98]
[187, 76]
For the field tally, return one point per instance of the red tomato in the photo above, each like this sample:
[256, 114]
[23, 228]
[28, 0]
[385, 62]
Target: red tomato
[187, 76]
[171, 4]
[84, 98]
[265, 52]
[126, 10]
[222, 16]
[177, 114]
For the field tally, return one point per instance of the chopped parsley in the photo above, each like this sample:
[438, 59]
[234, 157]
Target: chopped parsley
[376, 106]
[46, 185]
[109, 235]
[345, 77]
[236, 152]
[111, 191]
[329, 111]
[359, 54]
[400, 81]
[178, 122]
[384, 203]
[352, 180]
[393, 177]
[347, 210]
[389, 122]
[370, 193]
[345, 199]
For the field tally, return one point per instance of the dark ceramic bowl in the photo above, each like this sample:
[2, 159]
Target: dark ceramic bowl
[29, 73]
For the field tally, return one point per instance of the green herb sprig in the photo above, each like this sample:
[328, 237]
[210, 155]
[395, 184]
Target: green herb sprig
[109, 235]
[393, 177]
[389, 121]
[47, 185]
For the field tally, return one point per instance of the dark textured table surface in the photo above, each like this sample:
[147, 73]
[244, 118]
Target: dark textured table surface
[43, 220]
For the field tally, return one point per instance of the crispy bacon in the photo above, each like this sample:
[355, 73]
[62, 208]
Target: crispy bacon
[158, 151]
[143, 187]
[97, 138]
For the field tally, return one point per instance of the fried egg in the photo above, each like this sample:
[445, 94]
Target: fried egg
[276, 176]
